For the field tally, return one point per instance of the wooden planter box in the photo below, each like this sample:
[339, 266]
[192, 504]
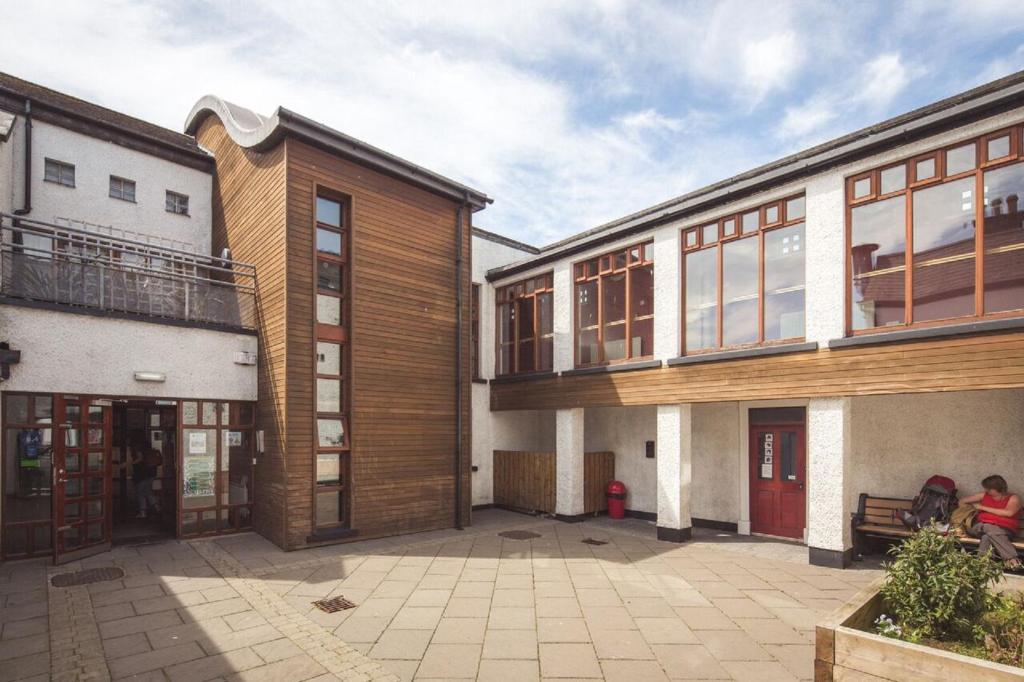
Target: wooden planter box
[843, 651]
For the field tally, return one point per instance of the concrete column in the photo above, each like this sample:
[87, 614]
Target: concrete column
[828, 475]
[826, 248]
[675, 476]
[569, 464]
[667, 257]
[564, 353]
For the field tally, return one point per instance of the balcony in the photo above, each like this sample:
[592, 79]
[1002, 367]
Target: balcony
[44, 263]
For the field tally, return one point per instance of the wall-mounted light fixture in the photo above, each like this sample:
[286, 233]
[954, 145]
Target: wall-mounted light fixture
[150, 376]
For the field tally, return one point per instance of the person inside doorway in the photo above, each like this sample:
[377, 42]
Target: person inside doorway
[998, 520]
[144, 465]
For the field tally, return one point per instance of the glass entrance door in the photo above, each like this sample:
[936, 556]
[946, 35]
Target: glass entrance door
[81, 477]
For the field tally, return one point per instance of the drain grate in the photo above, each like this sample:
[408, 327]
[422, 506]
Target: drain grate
[592, 541]
[519, 534]
[334, 604]
[84, 577]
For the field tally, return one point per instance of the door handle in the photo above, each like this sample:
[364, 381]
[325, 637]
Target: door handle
[800, 485]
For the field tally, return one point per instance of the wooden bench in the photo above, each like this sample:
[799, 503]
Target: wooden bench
[879, 517]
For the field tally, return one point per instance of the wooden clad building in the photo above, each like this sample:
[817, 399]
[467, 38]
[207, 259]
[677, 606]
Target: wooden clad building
[361, 257]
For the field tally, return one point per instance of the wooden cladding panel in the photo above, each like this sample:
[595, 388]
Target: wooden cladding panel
[248, 218]
[598, 469]
[525, 480]
[403, 345]
[950, 364]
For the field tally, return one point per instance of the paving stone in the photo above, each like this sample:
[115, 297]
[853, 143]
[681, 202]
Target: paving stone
[154, 660]
[450, 661]
[221, 642]
[201, 612]
[401, 644]
[510, 644]
[732, 645]
[468, 607]
[147, 623]
[460, 631]
[417, 618]
[276, 650]
[705, 618]
[689, 662]
[764, 671]
[769, 631]
[180, 633]
[633, 671]
[621, 644]
[608, 618]
[480, 590]
[361, 629]
[665, 631]
[212, 667]
[511, 618]
[294, 669]
[508, 671]
[166, 603]
[24, 628]
[569, 660]
[429, 598]
[128, 645]
[24, 646]
[127, 595]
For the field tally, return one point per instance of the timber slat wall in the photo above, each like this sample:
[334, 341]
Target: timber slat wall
[528, 480]
[598, 469]
[249, 218]
[951, 364]
[403, 344]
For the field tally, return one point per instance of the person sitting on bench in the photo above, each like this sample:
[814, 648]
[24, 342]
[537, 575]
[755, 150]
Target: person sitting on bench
[997, 522]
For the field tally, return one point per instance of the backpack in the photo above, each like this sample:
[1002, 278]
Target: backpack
[933, 504]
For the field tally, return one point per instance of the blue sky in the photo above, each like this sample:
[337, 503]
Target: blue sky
[568, 114]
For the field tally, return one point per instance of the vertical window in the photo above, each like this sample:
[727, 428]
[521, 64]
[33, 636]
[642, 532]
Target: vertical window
[474, 332]
[27, 456]
[748, 288]
[942, 239]
[176, 203]
[59, 172]
[330, 485]
[615, 304]
[525, 335]
[121, 188]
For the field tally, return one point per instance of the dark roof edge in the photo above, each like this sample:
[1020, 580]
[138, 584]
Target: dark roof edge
[40, 107]
[251, 130]
[985, 100]
[503, 240]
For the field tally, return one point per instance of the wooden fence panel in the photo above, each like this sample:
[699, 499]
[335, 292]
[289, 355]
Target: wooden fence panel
[527, 480]
[598, 469]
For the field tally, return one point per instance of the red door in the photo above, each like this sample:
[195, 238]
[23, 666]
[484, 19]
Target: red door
[777, 469]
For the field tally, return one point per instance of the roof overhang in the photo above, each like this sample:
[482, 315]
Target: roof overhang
[259, 133]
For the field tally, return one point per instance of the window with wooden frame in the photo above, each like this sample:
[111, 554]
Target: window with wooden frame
[330, 485]
[913, 236]
[122, 188]
[615, 306]
[176, 203]
[474, 332]
[744, 278]
[27, 473]
[525, 324]
[59, 172]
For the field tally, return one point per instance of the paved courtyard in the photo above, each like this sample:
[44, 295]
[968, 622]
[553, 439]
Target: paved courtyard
[443, 605]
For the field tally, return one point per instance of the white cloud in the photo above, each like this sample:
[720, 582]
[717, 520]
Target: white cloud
[806, 120]
[884, 78]
[770, 63]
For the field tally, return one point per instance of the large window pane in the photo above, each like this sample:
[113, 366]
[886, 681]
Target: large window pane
[328, 241]
[587, 318]
[506, 326]
[329, 508]
[28, 458]
[878, 259]
[944, 251]
[328, 212]
[1004, 239]
[237, 450]
[331, 433]
[328, 275]
[328, 309]
[328, 469]
[328, 358]
[641, 306]
[701, 299]
[328, 395]
[739, 292]
[199, 468]
[784, 283]
[545, 318]
[613, 297]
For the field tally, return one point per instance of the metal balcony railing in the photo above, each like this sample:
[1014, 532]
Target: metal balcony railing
[68, 266]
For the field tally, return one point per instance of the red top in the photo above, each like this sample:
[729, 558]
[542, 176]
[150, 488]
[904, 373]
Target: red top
[1010, 522]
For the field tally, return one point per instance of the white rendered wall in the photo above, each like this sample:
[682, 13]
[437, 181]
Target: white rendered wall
[625, 431]
[718, 462]
[829, 470]
[10, 184]
[899, 441]
[675, 466]
[95, 161]
[667, 301]
[70, 353]
[488, 254]
[569, 461]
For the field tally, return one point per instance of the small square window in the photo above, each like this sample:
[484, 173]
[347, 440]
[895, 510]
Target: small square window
[328, 212]
[924, 169]
[997, 148]
[709, 234]
[122, 188]
[862, 187]
[176, 203]
[961, 159]
[691, 239]
[771, 214]
[728, 227]
[750, 222]
[795, 208]
[59, 172]
[328, 241]
[893, 179]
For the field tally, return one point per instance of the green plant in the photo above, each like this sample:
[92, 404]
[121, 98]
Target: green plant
[937, 590]
[1004, 625]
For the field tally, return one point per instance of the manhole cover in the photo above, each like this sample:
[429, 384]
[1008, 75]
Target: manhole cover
[334, 604]
[89, 575]
[519, 534]
[592, 541]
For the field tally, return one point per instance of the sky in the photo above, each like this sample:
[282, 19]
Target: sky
[568, 114]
